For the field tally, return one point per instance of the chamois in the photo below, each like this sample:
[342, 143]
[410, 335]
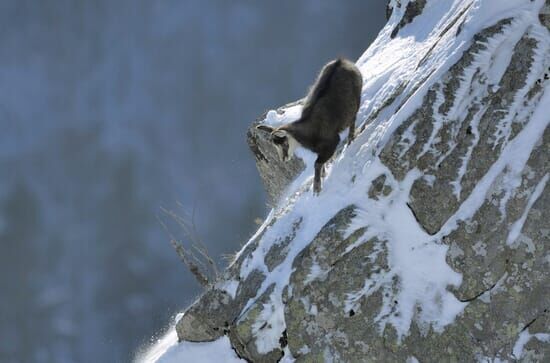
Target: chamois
[329, 108]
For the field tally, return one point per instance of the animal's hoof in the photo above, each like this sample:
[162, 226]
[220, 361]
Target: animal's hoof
[316, 189]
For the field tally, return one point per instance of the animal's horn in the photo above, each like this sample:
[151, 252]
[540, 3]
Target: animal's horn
[265, 128]
[279, 133]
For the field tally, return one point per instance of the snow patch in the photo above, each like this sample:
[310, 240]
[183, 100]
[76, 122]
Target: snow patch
[315, 273]
[516, 228]
[167, 350]
[417, 263]
[283, 116]
[270, 325]
[211, 352]
[159, 348]
[524, 338]
[229, 286]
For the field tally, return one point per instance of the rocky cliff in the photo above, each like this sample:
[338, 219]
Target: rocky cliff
[430, 240]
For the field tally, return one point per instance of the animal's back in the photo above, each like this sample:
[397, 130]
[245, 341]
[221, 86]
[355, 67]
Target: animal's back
[335, 97]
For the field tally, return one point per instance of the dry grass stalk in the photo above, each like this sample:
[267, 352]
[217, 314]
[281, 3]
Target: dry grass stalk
[196, 257]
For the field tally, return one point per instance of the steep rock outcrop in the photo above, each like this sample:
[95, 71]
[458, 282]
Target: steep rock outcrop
[275, 174]
[431, 237]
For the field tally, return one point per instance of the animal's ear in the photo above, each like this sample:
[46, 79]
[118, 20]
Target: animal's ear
[279, 133]
[265, 128]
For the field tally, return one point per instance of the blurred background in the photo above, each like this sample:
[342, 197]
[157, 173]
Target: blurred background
[110, 110]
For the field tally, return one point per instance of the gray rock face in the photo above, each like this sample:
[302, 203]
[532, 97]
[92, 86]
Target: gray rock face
[326, 279]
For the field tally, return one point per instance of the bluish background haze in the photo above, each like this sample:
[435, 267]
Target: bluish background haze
[110, 110]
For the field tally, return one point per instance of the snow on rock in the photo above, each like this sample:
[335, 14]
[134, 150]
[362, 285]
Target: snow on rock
[166, 350]
[524, 338]
[430, 238]
[209, 352]
[159, 348]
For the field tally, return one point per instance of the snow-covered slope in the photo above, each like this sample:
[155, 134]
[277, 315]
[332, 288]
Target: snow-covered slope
[430, 239]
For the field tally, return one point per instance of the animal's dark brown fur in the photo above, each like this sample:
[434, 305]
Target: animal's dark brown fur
[330, 107]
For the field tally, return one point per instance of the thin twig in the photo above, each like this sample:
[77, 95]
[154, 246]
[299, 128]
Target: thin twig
[195, 270]
[195, 258]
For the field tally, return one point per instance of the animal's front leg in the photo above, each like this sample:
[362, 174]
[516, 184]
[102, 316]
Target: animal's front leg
[317, 177]
[326, 152]
[351, 133]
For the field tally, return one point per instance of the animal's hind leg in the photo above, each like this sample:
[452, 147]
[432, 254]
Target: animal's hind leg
[351, 133]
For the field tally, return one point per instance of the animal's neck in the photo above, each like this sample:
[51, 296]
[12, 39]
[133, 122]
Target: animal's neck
[300, 133]
[292, 144]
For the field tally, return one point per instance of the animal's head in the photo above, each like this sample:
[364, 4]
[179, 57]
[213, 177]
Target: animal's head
[284, 142]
